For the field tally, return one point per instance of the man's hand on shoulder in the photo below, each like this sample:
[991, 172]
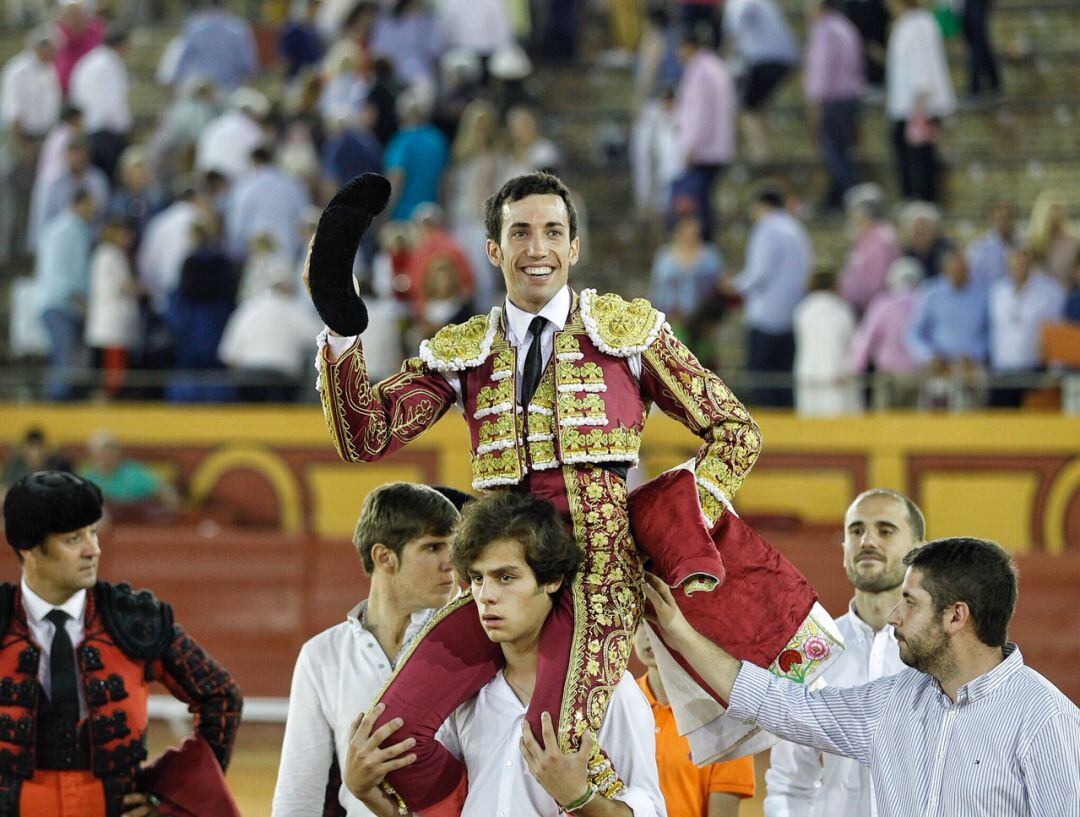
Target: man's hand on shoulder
[366, 765]
[565, 775]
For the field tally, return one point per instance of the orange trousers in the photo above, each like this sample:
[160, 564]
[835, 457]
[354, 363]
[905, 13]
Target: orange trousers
[62, 794]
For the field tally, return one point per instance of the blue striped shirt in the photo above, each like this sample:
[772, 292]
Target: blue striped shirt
[1009, 746]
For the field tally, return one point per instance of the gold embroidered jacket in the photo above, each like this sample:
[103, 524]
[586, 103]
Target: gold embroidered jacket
[592, 411]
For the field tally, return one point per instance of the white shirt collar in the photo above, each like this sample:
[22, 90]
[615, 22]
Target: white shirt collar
[37, 608]
[861, 626]
[557, 310]
[355, 617]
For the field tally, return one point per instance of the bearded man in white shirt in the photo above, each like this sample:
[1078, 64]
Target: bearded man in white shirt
[403, 539]
[880, 528]
[517, 556]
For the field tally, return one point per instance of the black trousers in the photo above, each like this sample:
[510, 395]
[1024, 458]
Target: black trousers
[982, 62]
[918, 166]
[769, 353]
[839, 129]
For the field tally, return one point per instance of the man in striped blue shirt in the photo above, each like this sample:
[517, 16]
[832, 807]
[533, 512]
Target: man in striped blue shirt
[968, 729]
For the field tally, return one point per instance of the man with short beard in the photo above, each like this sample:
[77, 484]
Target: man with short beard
[968, 730]
[880, 528]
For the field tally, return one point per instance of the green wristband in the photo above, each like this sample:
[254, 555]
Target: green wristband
[580, 802]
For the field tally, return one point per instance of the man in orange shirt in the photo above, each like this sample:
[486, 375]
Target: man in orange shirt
[712, 791]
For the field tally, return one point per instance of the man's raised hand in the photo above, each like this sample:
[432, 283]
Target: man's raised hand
[366, 765]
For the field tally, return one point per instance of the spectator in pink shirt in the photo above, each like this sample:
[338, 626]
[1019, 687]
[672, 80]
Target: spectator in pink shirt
[705, 124]
[78, 31]
[876, 247]
[879, 338]
[833, 83]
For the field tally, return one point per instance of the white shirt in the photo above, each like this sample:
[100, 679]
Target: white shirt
[557, 310]
[30, 93]
[824, 326]
[271, 330]
[1017, 317]
[99, 87]
[922, 746]
[166, 244]
[226, 144]
[112, 314]
[480, 26]
[804, 782]
[915, 63]
[485, 733]
[42, 631]
[338, 674]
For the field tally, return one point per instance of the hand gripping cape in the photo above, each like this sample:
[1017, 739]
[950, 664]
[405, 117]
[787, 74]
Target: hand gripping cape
[571, 445]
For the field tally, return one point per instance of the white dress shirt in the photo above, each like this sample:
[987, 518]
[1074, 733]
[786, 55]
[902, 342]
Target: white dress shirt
[112, 309]
[915, 64]
[30, 90]
[166, 244]
[824, 327]
[226, 143]
[272, 331]
[99, 87]
[557, 311]
[805, 782]
[486, 733]
[1017, 317]
[338, 673]
[42, 631]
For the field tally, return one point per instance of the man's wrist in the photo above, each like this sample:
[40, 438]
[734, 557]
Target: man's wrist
[581, 801]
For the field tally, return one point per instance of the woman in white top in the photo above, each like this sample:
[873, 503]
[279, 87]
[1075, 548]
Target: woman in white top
[112, 309]
[918, 93]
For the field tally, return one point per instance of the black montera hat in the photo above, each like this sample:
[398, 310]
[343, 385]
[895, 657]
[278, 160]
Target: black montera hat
[47, 502]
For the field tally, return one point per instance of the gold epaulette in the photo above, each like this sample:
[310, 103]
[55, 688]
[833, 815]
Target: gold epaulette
[618, 327]
[461, 346]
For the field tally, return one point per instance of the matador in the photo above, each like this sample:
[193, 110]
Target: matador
[555, 387]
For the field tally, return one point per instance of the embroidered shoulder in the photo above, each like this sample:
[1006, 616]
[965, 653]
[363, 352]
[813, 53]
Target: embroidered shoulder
[141, 624]
[461, 346]
[620, 328]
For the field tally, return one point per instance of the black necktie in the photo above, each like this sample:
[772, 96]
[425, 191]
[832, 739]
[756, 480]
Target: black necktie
[533, 361]
[65, 694]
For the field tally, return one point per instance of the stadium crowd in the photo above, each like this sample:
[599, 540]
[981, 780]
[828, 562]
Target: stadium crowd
[158, 248]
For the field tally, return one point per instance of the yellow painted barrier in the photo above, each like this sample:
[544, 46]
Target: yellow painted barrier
[1013, 477]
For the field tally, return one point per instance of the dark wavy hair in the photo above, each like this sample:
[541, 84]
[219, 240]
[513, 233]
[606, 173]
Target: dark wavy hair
[508, 515]
[979, 573]
[519, 187]
[396, 513]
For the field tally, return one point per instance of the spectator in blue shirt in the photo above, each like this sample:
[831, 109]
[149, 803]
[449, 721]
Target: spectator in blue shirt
[779, 259]
[198, 311]
[218, 45]
[266, 199]
[764, 40]
[949, 328]
[63, 277]
[988, 255]
[684, 273]
[408, 36]
[350, 147]
[300, 44]
[416, 157]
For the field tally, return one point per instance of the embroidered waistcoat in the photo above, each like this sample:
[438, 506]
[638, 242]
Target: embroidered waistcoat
[587, 408]
[114, 686]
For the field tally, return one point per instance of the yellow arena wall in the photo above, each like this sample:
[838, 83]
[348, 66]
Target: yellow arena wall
[1014, 478]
